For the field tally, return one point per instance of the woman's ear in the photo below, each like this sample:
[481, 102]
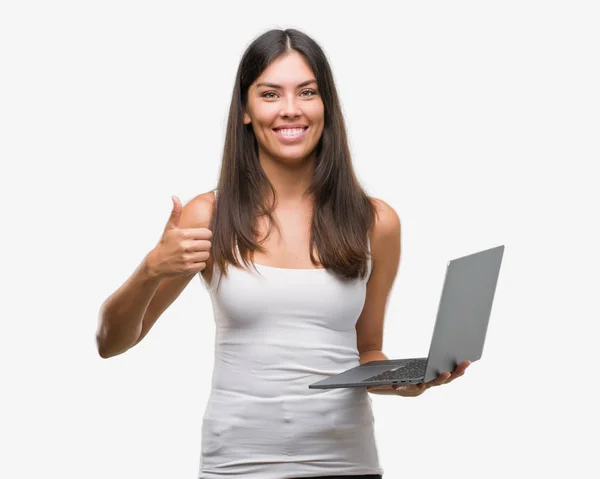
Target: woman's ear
[247, 120]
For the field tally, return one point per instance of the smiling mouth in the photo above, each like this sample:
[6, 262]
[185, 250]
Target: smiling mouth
[291, 133]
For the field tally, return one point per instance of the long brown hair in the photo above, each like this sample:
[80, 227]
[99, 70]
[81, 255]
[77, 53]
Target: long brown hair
[342, 212]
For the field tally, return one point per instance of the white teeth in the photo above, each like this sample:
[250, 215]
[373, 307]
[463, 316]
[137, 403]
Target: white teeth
[288, 132]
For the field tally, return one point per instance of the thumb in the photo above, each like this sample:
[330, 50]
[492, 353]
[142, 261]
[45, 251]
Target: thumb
[175, 214]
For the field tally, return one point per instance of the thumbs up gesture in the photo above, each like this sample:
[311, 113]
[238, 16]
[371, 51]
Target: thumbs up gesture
[180, 251]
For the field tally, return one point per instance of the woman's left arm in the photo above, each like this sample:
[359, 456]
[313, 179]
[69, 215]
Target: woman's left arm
[385, 254]
[385, 259]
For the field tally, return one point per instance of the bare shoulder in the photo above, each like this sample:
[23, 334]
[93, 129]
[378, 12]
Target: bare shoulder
[385, 236]
[387, 221]
[198, 211]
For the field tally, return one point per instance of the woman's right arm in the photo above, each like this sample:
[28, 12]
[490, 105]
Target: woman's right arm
[128, 314]
[121, 315]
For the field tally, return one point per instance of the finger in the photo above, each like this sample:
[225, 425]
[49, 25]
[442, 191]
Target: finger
[407, 386]
[460, 368]
[421, 387]
[195, 246]
[418, 386]
[197, 257]
[441, 379]
[175, 214]
[196, 233]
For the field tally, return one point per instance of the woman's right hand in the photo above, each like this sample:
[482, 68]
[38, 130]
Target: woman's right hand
[180, 251]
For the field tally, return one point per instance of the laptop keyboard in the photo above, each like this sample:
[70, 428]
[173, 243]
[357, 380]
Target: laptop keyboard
[409, 370]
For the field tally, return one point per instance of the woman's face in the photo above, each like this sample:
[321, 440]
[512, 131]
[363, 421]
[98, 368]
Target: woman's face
[286, 110]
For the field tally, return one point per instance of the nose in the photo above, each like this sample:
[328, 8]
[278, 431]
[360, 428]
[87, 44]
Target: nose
[289, 108]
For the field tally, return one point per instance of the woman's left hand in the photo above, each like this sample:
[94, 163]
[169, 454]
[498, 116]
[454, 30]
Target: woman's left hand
[411, 390]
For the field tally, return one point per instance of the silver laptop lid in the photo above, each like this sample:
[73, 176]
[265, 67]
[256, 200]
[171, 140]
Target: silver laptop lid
[464, 310]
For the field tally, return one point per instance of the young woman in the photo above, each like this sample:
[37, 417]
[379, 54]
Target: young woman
[298, 261]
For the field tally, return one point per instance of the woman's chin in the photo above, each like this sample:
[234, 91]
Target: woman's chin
[291, 154]
[299, 156]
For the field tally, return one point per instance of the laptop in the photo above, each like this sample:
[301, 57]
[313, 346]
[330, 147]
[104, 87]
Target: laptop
[458, 335]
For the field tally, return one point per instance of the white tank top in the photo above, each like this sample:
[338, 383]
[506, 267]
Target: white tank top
[276, 333]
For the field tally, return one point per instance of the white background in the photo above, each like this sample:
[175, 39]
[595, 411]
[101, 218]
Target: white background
[477, 121]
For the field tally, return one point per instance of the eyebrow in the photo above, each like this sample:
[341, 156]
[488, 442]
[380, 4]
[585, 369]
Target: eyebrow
[273, 85]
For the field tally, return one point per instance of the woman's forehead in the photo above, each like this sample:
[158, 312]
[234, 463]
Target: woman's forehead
[289, 71]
